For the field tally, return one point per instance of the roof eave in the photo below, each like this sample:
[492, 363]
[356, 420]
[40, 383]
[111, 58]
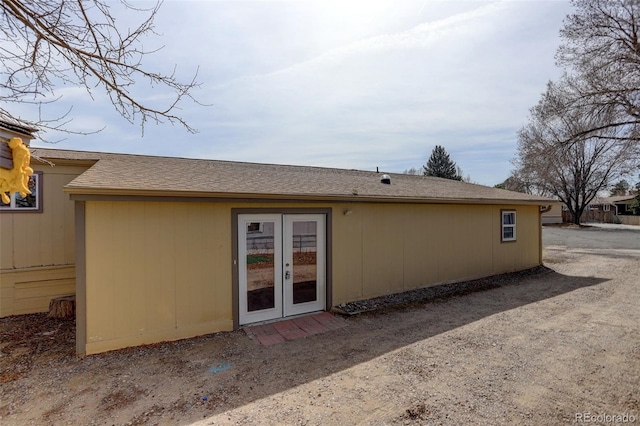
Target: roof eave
[89, 194]
[62, 161]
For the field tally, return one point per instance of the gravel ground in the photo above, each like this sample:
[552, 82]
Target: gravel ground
[547, 346]
[432, 294]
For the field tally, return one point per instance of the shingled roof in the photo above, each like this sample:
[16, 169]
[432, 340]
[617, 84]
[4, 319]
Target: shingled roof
[17, 126]
[125, 174]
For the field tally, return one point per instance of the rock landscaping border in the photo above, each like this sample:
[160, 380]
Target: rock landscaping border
[429, 294]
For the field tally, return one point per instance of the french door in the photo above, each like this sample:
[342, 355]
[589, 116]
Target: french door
[281, 265]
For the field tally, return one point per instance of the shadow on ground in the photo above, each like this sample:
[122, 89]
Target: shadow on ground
[35, 344]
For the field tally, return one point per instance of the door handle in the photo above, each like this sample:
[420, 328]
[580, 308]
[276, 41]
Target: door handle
[287, 275]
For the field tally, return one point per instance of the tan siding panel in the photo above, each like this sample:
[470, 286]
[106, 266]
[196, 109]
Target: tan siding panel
[524, 252]
[167, 268]
[382, 251]
[159, 267]
[411, 246]
[185, 273]
[162, 271]
[101, 267]
[31, 305]
[44, 288]
[122, 302]
[347, 254]
[30, 290]
[420, 247]
[26, 242]
[7, 291]
[67, 229]
[46, 238]
[55, 221]
[220, 259]
[50, 246]
[6, 240]
[470, 233]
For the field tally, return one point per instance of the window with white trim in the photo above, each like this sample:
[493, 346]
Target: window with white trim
[508, 225]
[606, 207]
[31, 203]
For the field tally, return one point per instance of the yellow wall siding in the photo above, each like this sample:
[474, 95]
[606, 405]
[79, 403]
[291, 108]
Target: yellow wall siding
[524, 252]
[163, 270]
[347, 252]
[156, 271]
[382, 251]
[41, 239]
[419, 246]
[39, 243]
[29, 290]
[404, 247]
[6, 241]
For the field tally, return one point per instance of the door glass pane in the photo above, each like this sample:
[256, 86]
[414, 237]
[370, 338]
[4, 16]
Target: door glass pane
[305, 270]
[260, 266]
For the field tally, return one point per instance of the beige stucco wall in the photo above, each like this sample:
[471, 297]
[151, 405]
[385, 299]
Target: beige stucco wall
[37, 249]
[163, 270]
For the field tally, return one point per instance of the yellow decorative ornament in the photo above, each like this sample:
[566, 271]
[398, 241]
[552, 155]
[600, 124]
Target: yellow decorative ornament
[16, 179]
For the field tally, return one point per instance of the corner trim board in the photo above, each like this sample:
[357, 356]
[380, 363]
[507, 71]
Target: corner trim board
[81, 279]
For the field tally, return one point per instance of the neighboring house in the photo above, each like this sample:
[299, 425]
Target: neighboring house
[37, 255]
[605, 210]
[552, 215]
[171, 248]
[620, 205]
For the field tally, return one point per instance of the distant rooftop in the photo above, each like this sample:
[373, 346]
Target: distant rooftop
[17, 126]
[612, 200]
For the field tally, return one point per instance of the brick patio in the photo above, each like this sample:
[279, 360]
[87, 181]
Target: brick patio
[294, 328]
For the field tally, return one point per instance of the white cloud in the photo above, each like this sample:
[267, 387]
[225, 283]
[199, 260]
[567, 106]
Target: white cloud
[375, 85]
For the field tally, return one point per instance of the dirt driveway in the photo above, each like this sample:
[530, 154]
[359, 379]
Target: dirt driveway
[551, 348]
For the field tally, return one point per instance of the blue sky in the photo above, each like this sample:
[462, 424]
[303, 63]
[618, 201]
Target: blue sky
[347, 84]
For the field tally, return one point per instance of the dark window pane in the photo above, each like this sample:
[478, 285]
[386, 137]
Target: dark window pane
[508, 218]
[507, 233]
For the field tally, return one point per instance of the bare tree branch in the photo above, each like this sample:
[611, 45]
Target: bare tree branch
[576, 171]
[47, 43]
[601, 53]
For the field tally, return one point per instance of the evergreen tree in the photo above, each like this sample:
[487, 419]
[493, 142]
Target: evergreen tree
[620, 188]
[440, 165]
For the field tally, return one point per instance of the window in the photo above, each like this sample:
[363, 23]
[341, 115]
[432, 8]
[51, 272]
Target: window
[606, 207]
[508, 225]
[254, 227]
[32, 202]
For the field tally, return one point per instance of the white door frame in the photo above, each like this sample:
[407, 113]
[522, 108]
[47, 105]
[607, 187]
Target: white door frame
[282, 263]
[244, 220]
[289, 308]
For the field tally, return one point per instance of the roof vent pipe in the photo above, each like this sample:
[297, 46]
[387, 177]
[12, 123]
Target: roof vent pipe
[385, 179]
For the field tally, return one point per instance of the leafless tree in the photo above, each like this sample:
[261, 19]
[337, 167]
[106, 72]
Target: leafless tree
[518, 183]
[577, 171]
[411, 171]
[45, 44]
[601, 54]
